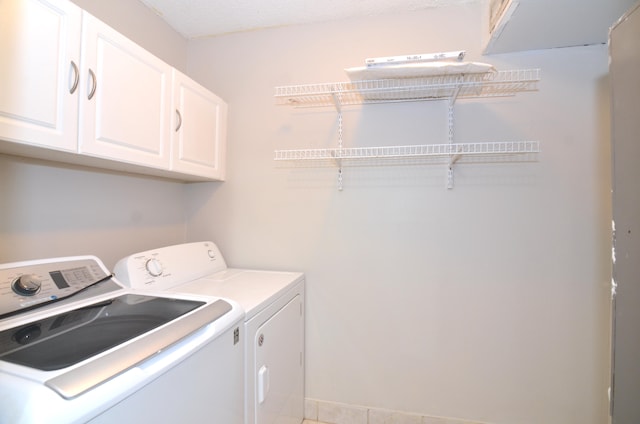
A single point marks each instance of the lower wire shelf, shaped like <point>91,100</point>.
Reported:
<point>448,153</point>
<point>448,150</point>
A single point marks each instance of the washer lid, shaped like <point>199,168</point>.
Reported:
<point>148,323</point>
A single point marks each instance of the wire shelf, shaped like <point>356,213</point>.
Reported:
<point>413,151</point>
<point>442,87</point>
<point>491,84</point>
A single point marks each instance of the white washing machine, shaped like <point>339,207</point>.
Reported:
<point>78,347</point>
<point>273,327</point>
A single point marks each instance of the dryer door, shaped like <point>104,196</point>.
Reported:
<point>278,371</point>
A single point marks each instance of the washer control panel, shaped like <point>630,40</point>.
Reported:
<point>167,267</point>
<point>28,284</point>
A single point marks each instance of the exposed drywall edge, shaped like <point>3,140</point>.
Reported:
<point>495,13</point>
<point>504,19</point>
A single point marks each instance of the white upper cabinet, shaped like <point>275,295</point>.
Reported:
<point>39,69</point>
<point>72,89</point>
<point>198,130</point>
<point>125,99</point>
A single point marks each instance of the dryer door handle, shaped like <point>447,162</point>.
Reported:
<point>263,383</point>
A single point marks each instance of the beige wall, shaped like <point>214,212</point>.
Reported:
<point>487,302</point>
<point>50,211</point>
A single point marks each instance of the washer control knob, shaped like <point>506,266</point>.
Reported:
<point>26,285</point>
<point>211,254</point>
<point>154,267</point>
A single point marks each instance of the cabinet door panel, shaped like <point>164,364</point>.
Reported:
<point>128,116</point>
<point>39,40</point>
<point>199,136</point>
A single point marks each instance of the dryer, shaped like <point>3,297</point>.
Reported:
<point>273,333</point>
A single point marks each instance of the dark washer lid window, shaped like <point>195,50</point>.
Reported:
<point>71,337</point>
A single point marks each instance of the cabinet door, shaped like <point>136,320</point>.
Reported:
<point>125,96</point>
<point>199,130</point>
<point>40,45</point>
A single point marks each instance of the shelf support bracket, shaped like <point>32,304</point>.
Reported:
<point>452,158</point>
<point>336,95</point>
<point>340,153</point>
<point>450,177</point>
<point>456,91</point>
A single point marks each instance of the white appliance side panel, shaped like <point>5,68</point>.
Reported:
<point>206,387</point>
<point>278,374</point>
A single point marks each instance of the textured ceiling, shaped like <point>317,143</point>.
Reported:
<point>526,25</point>
<point>199,18</point>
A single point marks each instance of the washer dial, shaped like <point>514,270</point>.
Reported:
<point>26,285</point>
<point>154,267</point>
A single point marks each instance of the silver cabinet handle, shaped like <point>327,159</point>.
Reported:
<point>76,77</point>
<point>179,120</point>
<point>94,84</point>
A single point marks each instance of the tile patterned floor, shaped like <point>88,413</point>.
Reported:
<point>337,413</point>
